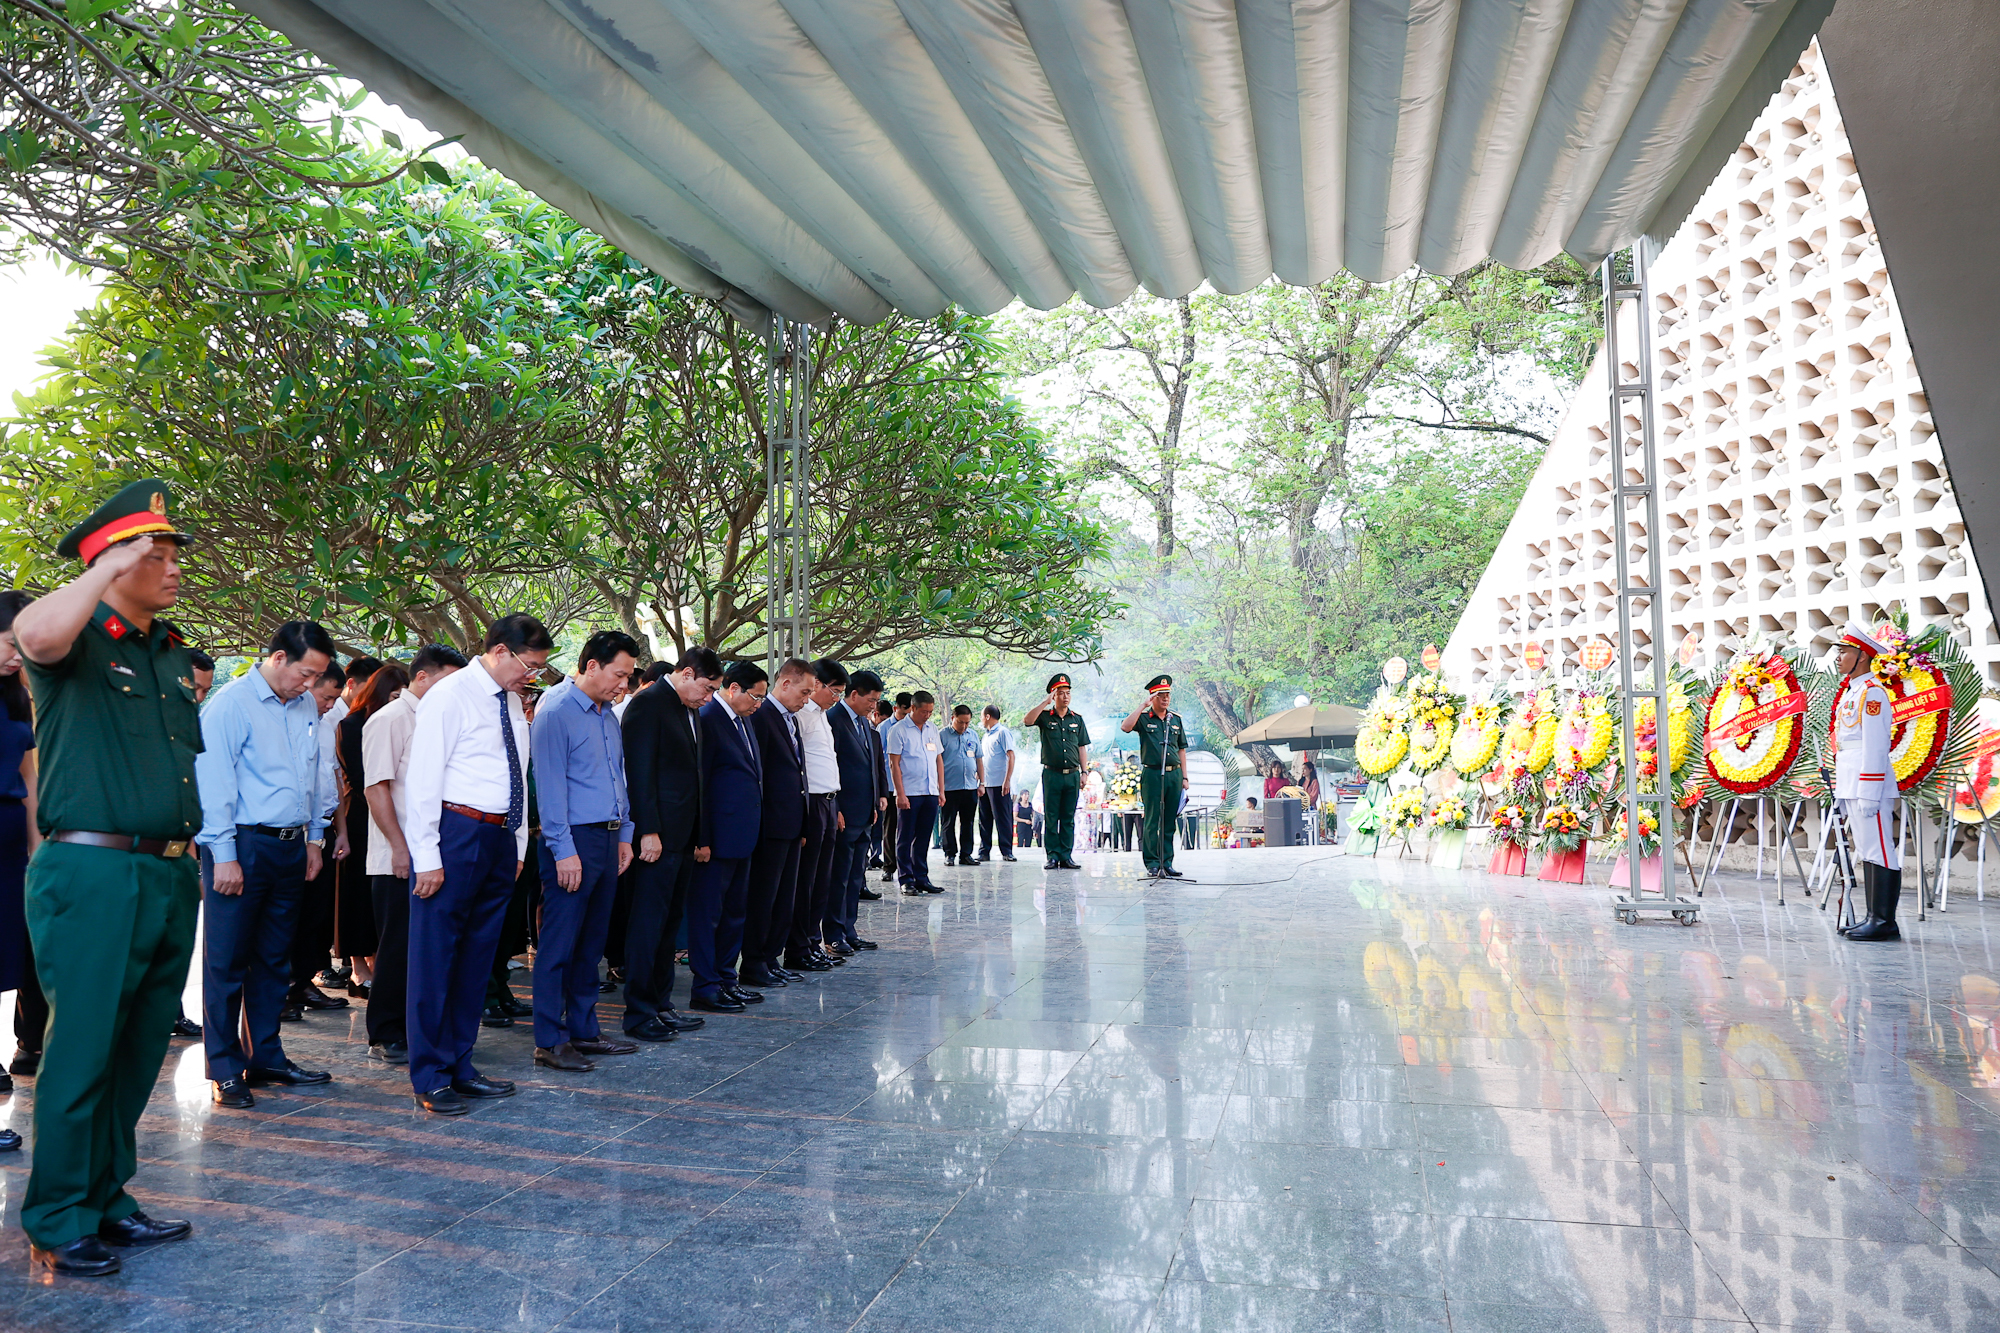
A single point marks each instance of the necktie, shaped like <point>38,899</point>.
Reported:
<point>516,796</point>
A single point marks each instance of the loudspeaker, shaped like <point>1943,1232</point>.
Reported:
<point>1282,823</point>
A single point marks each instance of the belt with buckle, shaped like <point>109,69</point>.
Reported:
<point>471,813</point>
<point>291,834</point>
<point>1053,769</point>
<point>166,848</point>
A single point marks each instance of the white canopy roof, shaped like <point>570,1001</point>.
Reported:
<point>816,157</point>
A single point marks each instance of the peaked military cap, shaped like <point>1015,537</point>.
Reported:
<point>139,510</point>
<point>1160,682</point>
<point>1857,634</point>
<point>1060,678</point>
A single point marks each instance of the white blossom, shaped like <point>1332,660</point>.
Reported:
<point>354,317</point>
<point>423,362</point>
<point>517,349</point>
<point>429,201</point>
<point>365,209</point>
<point>472,349</point>
<point>551,307</point>
<point>496,238</point>
<point>596,302</point>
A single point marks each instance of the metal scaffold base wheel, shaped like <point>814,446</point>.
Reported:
<point>1626,910</point>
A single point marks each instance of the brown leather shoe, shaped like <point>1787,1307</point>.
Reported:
<point>605,1046</point>
<point>562,1057</point>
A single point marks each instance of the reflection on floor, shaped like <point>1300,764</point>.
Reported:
<point>1305,1093</point>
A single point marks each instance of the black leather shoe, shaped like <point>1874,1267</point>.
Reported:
<point>602,1045</point>
<point>912,891</point>
<point>515,1005</point>
<point>390,1052</point>
<point>807,962</point>
<point>761,979</point>
<point>1051,865</point>
<point>839,949</point>
<point>312,997</point>
<point>607,988</point>
<point>834,959</point>
<point>951,860</point>
<point>932,888</point>
<point>870,896</point>
<point>654,1029</point>
<point>495,1016</point>
<point>858,943</point>
<point>187,1028</point>
<point>9,1141</point>
<point>888,875</point>
<point>136,1230</point>
<point>233,1093</point>
<point>442,1101</point>
<point>481,1086</point>
<point>1069,865</point>
<point>83,1257</point>
<point>723,1003</point>
<point>674,1018</point>
<point>787,974</point>
<point>1172,873</point>
<point>1007,859</point>
<point>289,1073</point>
<point>25,1062</point>
<point>292,1013</point>
<point>744,996</point>
<point>563,1057</point>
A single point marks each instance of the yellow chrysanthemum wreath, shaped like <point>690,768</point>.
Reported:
<point>1384,738</point>
<point>1477,738</point>
<point>1587,732</point>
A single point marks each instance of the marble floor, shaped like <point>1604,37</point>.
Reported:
<point>1303,1093</point>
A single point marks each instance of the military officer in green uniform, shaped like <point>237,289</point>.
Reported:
<point>1162,773</point>
<point>111,893</point>
<point>1065,754</point>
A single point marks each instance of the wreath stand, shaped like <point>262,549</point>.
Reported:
<point>1834,863</point>
<point>1718,840</point>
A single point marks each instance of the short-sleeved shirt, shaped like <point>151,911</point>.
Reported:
<point>117,730</point>
<point>1161,740</point>
<point>916,749</point>
<point>995,744</point>
<point>385,754</point>
<point>961,759</point>
<point>1063,739</point>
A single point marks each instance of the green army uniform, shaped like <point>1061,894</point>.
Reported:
<point>1162,741</point>
<point>1064,738</point>
<point>113,930</point>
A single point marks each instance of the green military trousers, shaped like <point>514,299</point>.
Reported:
<point>1059,792</point>
<point>113,932</point>
<point>1160,799</point>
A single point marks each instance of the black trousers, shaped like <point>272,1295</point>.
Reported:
<point>517,926</point>
<point>312,943</point>
<point>960,808</point>
<point>659,901</point>
<point>31,1007</point>
<point>767,913</point>
<point>247,952</point>
<point>389,996</point>
<point>913,840</point>
<point>996,811</point>
<point>889,839</point>
<point>811,904</point>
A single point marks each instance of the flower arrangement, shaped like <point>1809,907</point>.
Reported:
<point>1531,737</point>
<point>1406,811</point>
<point>1562,828</point>
<point>1385,737</point>
<point>1649,832</point>
<point>1448,815</point>
<point>1584,739</point>
<point>1124,788</point>
<point>1477,738</point>
<point>1433,713</point>
<point>1756,723</point>
<point>1513,824</point>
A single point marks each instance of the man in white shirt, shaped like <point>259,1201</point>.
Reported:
<point>466,824</point>
<point>803,946</point>
<point>915,755</point>
<point>996,803</point>
<point>385,759</point>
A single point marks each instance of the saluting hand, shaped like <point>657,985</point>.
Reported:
<point>117,559</point>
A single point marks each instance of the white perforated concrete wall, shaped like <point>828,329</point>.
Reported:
<point>1801,482</point>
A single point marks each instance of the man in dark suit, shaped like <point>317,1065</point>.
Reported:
<point>732,807</point>
<point>774,866</point>
<point>862,801</point>
<point>663,767</point>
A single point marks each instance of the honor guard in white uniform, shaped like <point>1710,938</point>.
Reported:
<point>1864,784</point>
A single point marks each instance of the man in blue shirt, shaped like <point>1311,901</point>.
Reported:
<point>914,753</point>
<point>962,780</point>
<point>579,759</point>
<point>263,818</point>
<point>996,793</point>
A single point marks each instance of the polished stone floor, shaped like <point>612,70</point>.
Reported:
<point>1304,1093</point>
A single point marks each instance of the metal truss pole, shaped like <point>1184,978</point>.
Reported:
<point>787,492</point>
<point>1635,463</point>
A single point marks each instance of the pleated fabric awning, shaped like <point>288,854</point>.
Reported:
<point>854,157</point>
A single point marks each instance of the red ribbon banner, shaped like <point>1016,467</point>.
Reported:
<point>1936,699</point>
<point>1750,719</point>
<point>1988,743</point>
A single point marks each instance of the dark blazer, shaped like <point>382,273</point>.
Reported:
<point>855,745</point>
<point>663,767</point>
<point>784,773</point>
<point>732,784</point>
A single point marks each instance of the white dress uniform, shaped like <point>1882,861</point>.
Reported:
<point>1862,781</point>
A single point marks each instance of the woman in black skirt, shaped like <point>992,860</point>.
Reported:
<point>353,899</point>
<point>18,836</point>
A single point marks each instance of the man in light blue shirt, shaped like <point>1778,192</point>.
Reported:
<point>914,752</point>
<point>579,757</point>
<point>961,786</point>
<point>996,796</point>
<point>263,818</point>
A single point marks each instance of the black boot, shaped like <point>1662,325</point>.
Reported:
<point>1885,887</point>
<point>1865,889</point>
